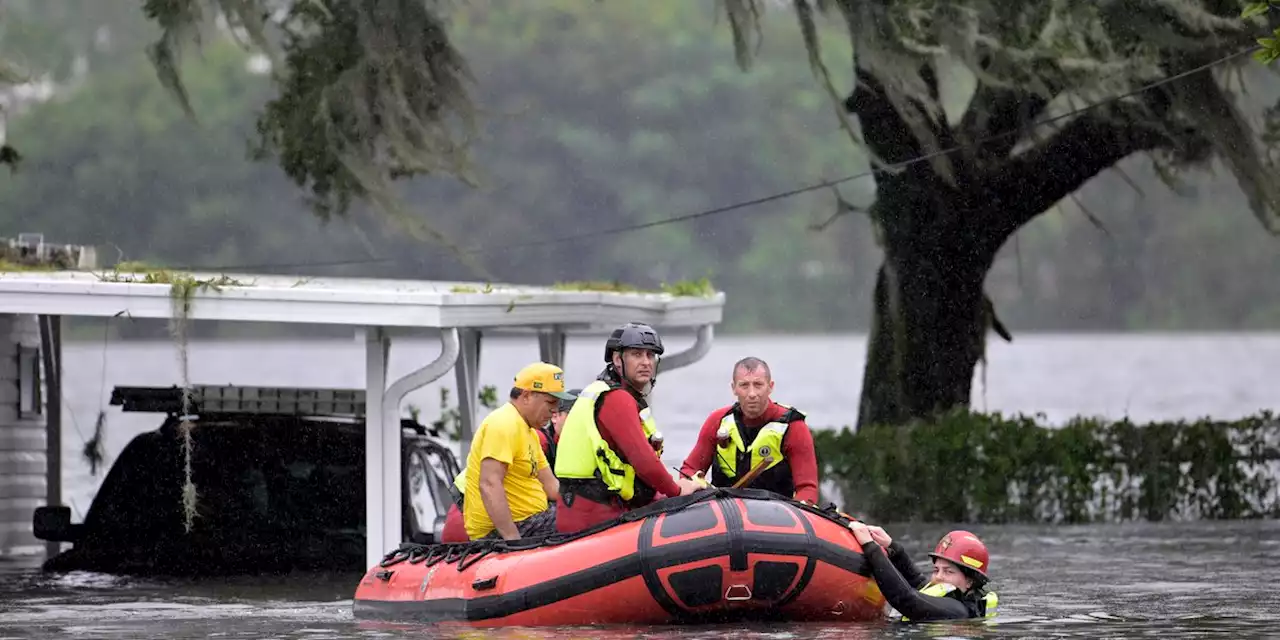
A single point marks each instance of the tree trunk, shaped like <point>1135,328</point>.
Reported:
<point>940,236</point>
<point>928,327</point>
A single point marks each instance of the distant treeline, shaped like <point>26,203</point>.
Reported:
<point>596,115</point>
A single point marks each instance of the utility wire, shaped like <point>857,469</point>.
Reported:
<point>830,183</point>
<point>782,195</point>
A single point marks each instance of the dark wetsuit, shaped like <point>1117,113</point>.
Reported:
<point>900,582</point>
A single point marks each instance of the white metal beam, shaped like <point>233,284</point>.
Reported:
<point>383,466</point>
<point>468,380</point>
<point>379,309</point>
<point>380,535</point>
<point>51,346</point>
<point>382,303</point>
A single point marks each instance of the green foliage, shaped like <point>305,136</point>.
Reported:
<point>115,163</point>
<point>1270,51</point>
<point>629,112</point>
<point>370,95</point>
<point>1030,54</point>
<point>1255,9</point>
<point>611,115</point>
<point>1161,261</point>
<point>370,91</point>
<point>60,40</point>
<point>971,467</point>
<point>626,112</point>
<point>701,287</point>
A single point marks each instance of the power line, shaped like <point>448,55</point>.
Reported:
<point>781,195</point>
<point>830,183</point>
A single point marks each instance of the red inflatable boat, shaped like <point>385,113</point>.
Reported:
<point>719,555</point>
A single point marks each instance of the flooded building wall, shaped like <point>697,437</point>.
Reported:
<point>22,435</point>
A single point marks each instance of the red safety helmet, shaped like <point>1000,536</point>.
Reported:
<point>965,550</point>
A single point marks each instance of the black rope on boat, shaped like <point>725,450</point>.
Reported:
<point>468,561</point>
<point>396,557</point>
<point>419,554</point>
<point>435,553</point>
<point>455,552</point>
<point>465,554</point>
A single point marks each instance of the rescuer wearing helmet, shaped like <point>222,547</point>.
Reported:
<point>957,588</point>
<point>756,433</point>
<point>608,458</point>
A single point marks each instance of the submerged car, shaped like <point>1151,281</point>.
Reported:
<point>280,481</point>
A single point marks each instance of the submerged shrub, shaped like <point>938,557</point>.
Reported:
<point>974,467</point>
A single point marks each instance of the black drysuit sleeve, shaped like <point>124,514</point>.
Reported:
<point>907,599</point>
<point>902,562</point>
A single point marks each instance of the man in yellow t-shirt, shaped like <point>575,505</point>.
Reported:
<point>507,468</point>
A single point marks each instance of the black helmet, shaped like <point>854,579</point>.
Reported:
<point>566,405</point>
<point>633,335</point>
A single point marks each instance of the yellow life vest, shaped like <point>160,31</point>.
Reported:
<point>989,600</point>
<point>583,453</point>
<point>768,443</point>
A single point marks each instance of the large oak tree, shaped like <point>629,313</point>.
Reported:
<point>943,220</point>
<point>371,91</point>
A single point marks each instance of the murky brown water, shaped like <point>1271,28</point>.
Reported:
<point>1173,580</point>
<point>1166,580</point>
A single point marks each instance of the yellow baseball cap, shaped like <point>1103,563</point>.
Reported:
<point>543,378</point>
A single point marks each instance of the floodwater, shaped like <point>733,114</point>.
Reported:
<point>1135,580</point>
<point>1166,580</point>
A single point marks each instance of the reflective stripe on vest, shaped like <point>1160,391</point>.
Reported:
<point>582,452</point>
<point>768,442</point>
<point>942,590</point>
<point>458,490</point>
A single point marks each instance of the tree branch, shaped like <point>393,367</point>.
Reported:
<point>1030,183</point>
<point>1221,121</point>
<point>995,110</point>
<point>942,131</point>
<point>885,131</point>
<point>888,133</point>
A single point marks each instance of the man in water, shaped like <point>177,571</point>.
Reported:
<point>955,591</point>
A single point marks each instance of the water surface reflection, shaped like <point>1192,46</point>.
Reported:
<point>1183,580</point>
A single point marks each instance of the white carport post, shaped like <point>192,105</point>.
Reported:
<point>381,528</point>
<point>551,345</point>
<point>468,377</point>
<point>383,474</point>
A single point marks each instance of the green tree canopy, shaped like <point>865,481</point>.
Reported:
<point>609,130</point>
<point>1058,92</point>
<point>596,115</point>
